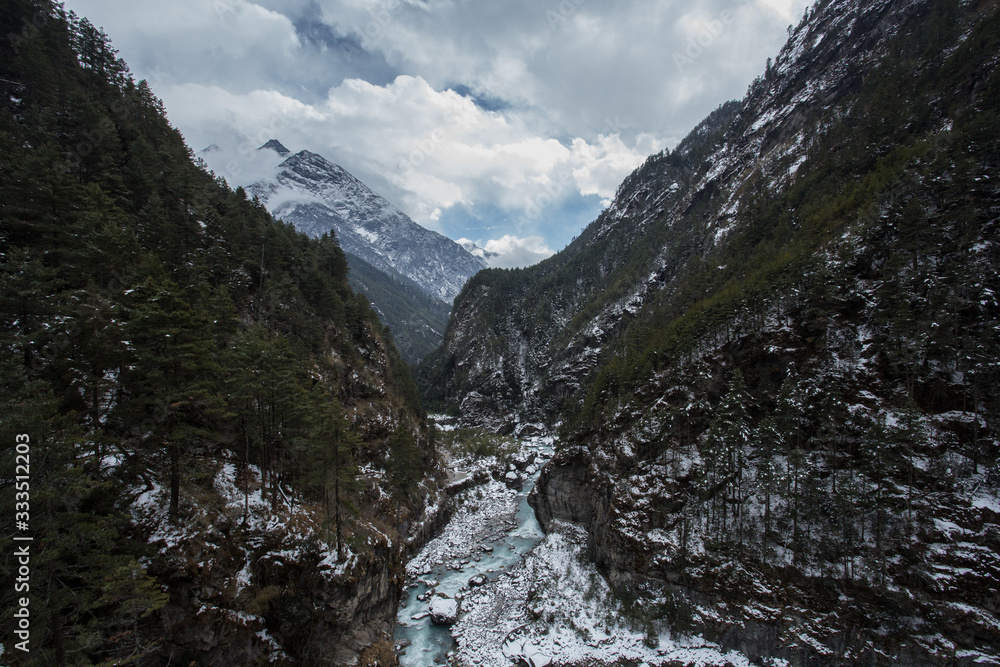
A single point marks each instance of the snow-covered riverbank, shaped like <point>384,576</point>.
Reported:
<point>491,529</point>
<point>554,608</point>
<point>524,597</point>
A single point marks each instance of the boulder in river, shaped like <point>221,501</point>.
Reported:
<point>443,610</point>
<point>534,659</point>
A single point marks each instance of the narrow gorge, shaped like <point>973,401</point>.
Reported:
<point>748,416</point>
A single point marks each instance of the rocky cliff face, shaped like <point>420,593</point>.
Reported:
<point>258,582</point>
<point>646,538</point>
<point>772,355</point>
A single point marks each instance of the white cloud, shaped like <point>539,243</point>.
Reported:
<point>192,40</point>
<point>787,9</point>
<point>606,163</point>
<point>577,102</point>
<point>510,252</point>
<point>597,61</point>
<point>424,149</point>
<point>242,164</point>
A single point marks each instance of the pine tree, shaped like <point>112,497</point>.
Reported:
<point>880,464</point>
<point>729,435</point>
<point>79,550</point>
<point>265,394</point>
<point>171,380</point>
<point>789,421</point>
<point>768,475</point>
<point>403,465</point>
<point>28,302</point>
<point>329,458</point>
<point>911,439</point>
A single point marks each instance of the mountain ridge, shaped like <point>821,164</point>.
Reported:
<point>317,196</point>
<point>320,197</point>
<point>771,358</point>
<point>416,320</point>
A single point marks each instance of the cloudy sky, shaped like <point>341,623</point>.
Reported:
<point>507,122</point>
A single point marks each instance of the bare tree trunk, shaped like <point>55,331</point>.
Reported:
<point>336,509</point>
<point>246,476</point>
<point>175,480</point>
<point>57,639</point>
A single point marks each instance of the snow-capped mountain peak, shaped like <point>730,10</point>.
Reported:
<point>275,146</point>
<point>319,196</point>
<point>476,250</point>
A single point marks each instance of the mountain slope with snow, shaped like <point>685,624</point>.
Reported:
<point>417,321</point>
<point>774,356</point>
<point>318,196</point>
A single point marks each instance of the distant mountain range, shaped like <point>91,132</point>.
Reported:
<point>422,271</point>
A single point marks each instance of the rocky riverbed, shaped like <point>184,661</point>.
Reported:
<point>492,590</point>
